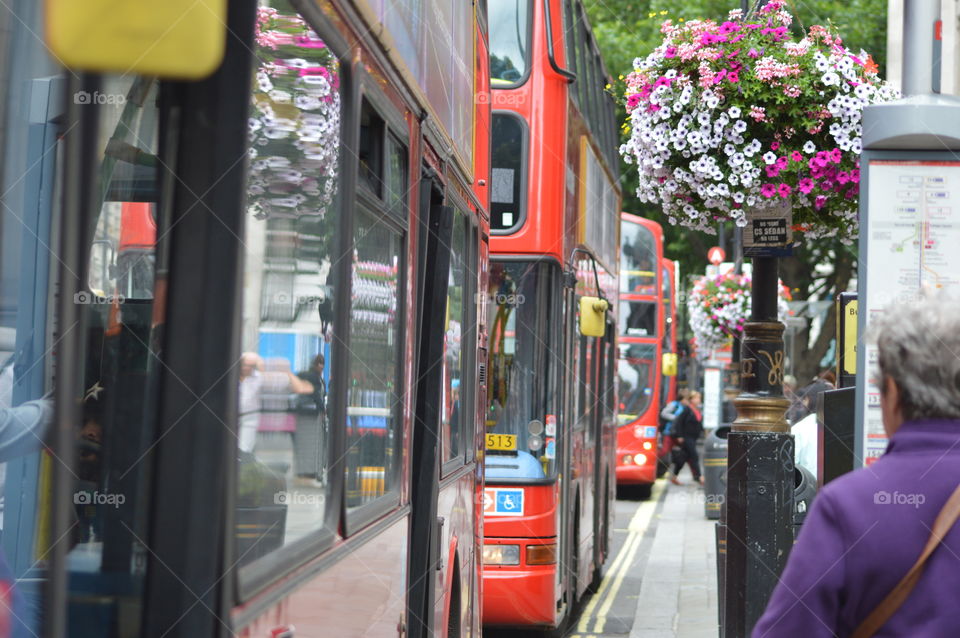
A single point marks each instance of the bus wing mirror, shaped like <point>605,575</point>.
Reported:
<point>174,38</point>
<point>669,364</point>
<point>593,312</point>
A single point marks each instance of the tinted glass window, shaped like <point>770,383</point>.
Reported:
<point>638,318</point>
<point>508,173</point>
<point>289,291</point>
<point>638,260</point>
<point>635,376</point>
<point>455,345</point>
<point>374,391</point>
<point>521,390</point>
<point>509,41</point>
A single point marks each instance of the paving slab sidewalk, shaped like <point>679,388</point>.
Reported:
<point>678,594</point>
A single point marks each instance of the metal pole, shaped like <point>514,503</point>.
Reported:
<point>920,19</point>
<point>759,502</point>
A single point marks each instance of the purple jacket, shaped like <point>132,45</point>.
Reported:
<point>863,533</point>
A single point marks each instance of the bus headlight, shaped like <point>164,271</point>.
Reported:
<point>627,459</point>
<point>640,459</point>
<point>647,445</point>
<point>534,443</point>
<point>501,554</point>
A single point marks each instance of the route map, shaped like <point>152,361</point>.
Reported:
<point>913,234</point>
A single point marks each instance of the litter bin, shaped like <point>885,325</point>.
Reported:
<point>715,471</point>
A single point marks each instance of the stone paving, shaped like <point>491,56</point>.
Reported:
<point>678,594</point>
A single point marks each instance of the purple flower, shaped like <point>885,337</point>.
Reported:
<point>772,170</point>
<point>781,161</point>
<point>843,177</point>
<point>819,202</point>
<point>768,190</point>
<point>805,185</point>
<point>753,53</point>
<point>855,176</point>
<point>784,190</point>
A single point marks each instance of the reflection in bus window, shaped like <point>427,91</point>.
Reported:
<point>116,431</point>
<point>509,41</point>
<point>373,404</point>
<point>635,374</point>
<point>638,260</point>
<point>457,329</point>
<point>521,350</point>
<point>640,318</point>
<point>292,192</point>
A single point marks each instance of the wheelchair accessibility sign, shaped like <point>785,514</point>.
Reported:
<point>499,501</point>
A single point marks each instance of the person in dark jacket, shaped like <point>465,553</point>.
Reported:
<point>867,528</point>
<point>687,428</point>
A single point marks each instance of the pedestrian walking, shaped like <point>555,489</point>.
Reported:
<point>847,574</point>
<point>668,416</point>
<point>687,429</point>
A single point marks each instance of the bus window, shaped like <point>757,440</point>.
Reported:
<point>635,372</point>
<point>640,318</point>
<point>509,41</point>
<point>638,260</point>
<point>508,168</point>
<point>453,417</point>
<point>374,400</point>
<point>520,392</point>
<point>289,292</point>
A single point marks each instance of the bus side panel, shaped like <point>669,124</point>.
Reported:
<point>359,597</point>
<point>455,506</point>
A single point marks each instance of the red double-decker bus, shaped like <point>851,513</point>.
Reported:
<point>257,269</point>
<point>644,298</point>
<point>553,272</point>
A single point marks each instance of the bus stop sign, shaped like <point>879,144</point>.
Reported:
<point>716,255</point>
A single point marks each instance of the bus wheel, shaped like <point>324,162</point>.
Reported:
<point>644,491</point>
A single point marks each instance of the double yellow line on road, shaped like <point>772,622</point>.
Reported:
<point>613,581</point>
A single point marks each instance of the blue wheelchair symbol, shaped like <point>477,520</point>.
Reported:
<point>510,502</point>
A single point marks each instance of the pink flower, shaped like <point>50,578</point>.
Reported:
<point>805,185</point>
<point>836,155</point>
<point>796,156</point>
<point>632,101</point>
<point>843,177</point>
<point>784,190</point>
<point>753,53</point>
<point>733,76</point>
<point>768,190</point>
<point>855,176</point>
<point>772,170</point>
<point>758,113</point>
<point>671,52</point>
<point>819,202</point>
<point>729,27</point>
<point>775,146</point>
<point>781,161</point>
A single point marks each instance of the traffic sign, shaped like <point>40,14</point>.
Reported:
<point>716,255</point>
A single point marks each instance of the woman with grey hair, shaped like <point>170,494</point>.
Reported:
<point>847,573</point>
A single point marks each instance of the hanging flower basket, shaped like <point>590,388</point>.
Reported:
<point>719,307</point>
<point>738,114</point>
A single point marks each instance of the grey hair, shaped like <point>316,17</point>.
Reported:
<point>919,344</point>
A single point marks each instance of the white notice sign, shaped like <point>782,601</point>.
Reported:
<point>914,243</point>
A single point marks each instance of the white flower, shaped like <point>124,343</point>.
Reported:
<point>809,147</point>
<point>734,112</point>
<point>769,157</point>
<point>830,79</point>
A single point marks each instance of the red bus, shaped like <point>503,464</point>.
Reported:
<point>259,288</point>
<point>551,392</point>
<point>644,295</point>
